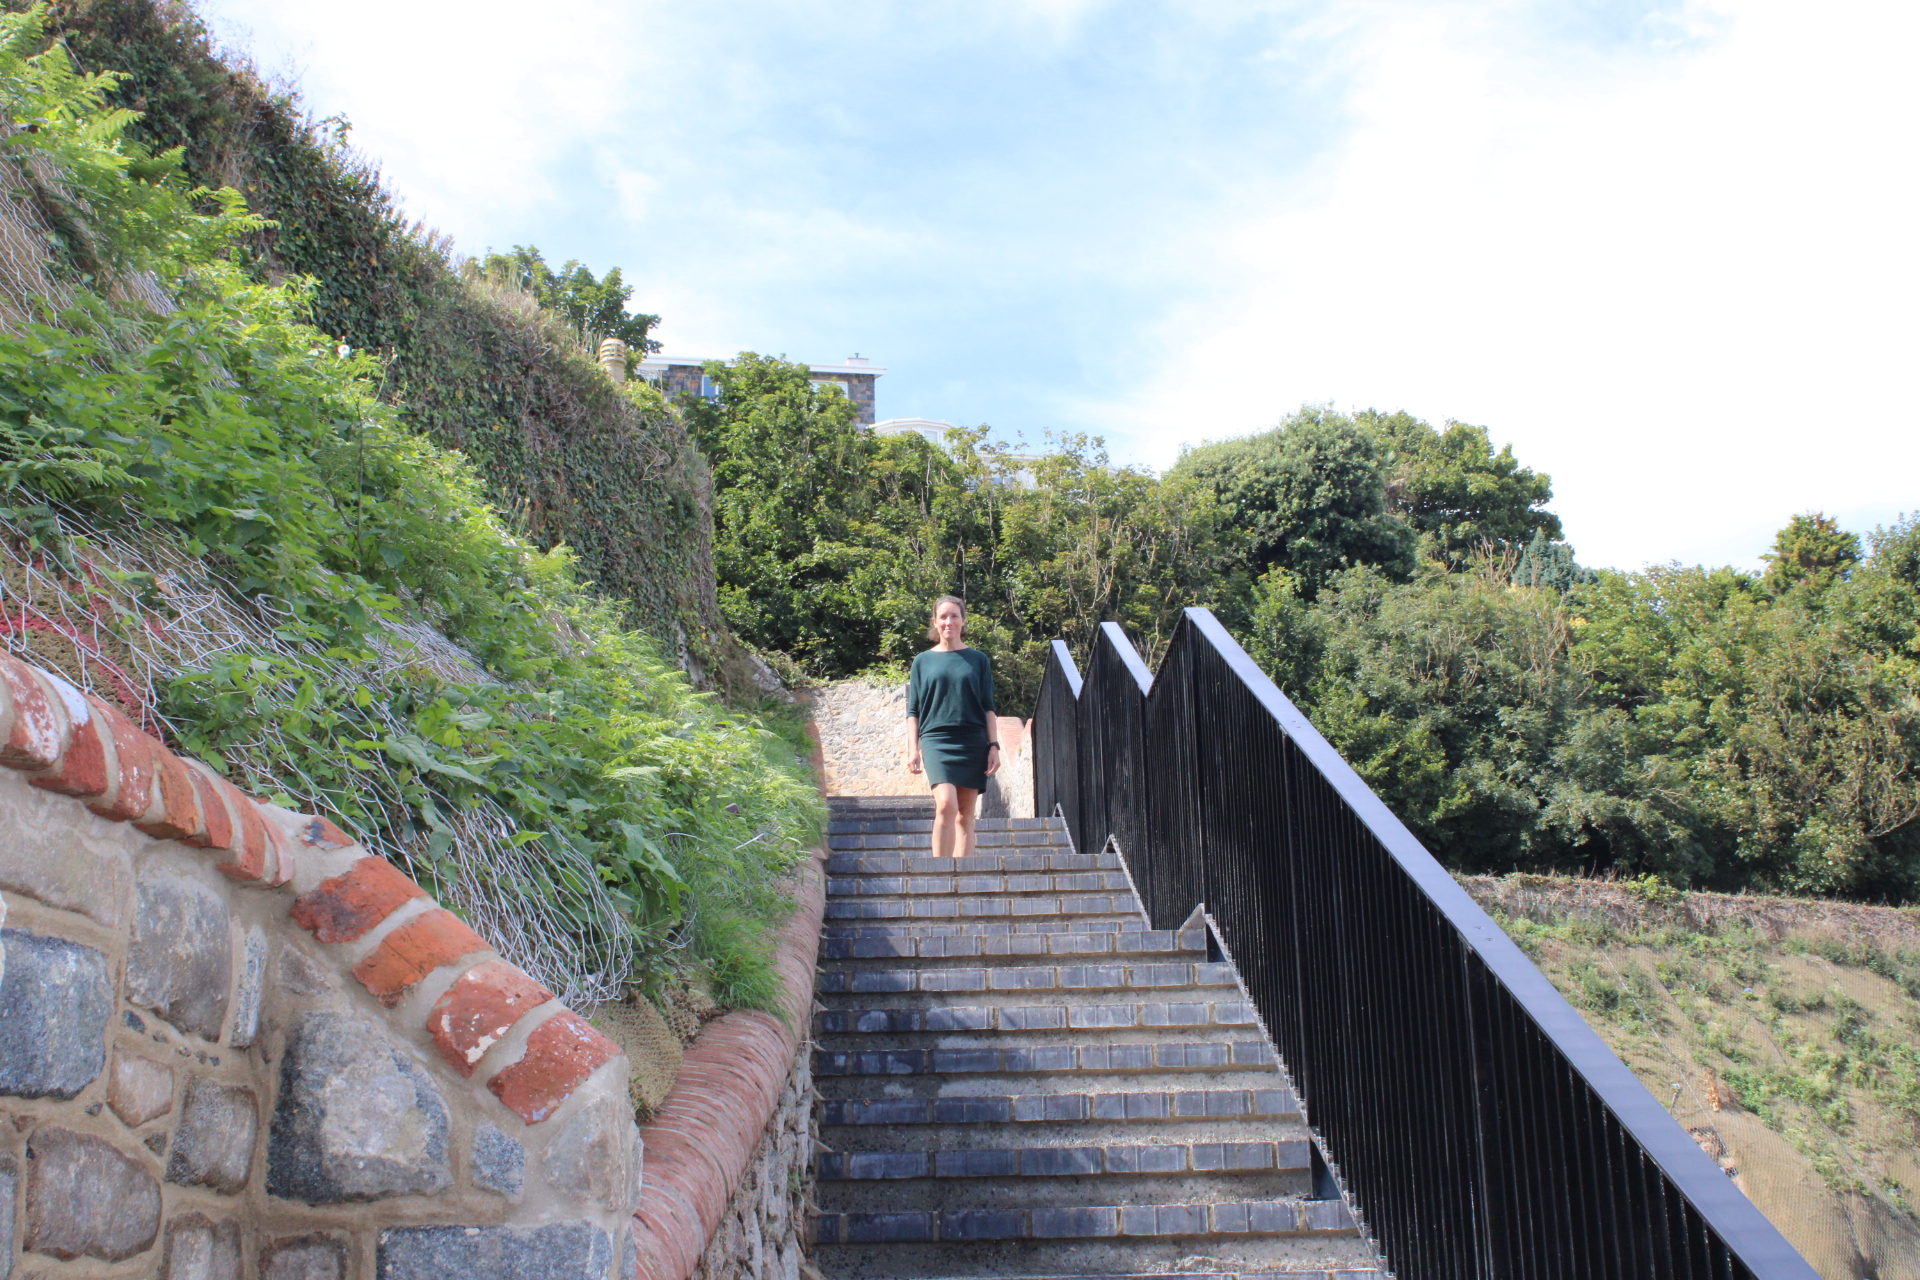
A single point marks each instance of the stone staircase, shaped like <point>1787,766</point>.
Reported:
<point>1018,1078</point>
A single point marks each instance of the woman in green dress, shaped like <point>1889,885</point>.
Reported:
<point>950,727</point>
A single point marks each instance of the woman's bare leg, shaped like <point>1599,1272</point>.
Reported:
<point>968,803</point>
<point>946,819</point>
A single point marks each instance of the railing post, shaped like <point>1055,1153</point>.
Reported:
<point>1196,770</point>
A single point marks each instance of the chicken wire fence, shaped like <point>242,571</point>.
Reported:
<point>120,612</point>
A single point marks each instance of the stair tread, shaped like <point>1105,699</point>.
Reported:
<point>1308,1273</point>
<point>1039,1017</point>
<point>899,862</point>
<point>917,883</point>
<point>838,953</point>
<point>1152,976</point>
<point>1167,1056</point>
<point>1146,1159</point>
<point>1115,1106</point>
<point>950,927</point>
<point>1245,1217</point>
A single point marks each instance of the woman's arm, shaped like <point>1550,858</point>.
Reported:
<point>993,721</point>
<point>913,744</point>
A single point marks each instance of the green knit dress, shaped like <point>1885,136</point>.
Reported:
<point>951,695</point>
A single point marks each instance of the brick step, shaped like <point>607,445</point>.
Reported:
<point>1259,1255</point>
<point>1031,1086</point>
<point>1197,1105</point>
<point>949,1194</point>
<point>1176,1056</point>
<point>1067,1162</point>
<point>865,810</point>
<point>1036,1017</point>
<point>991,928</point>
<point>873,838</point>
<point>905,862</point>
<point>971,883</point>
<point>1292,1273</point>
<point>881,943</point>
<point>1241,1218</point>
<point>916,813</point>
<point>1156,977</point>
<point>1312,1257</point>
<point>1040,906</point>
<point>1060,1192</point>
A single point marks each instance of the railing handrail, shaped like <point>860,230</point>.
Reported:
<point>1745,1233</point>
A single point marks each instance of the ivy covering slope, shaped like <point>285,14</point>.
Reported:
<point>474,367</point>
<point>221,424</point>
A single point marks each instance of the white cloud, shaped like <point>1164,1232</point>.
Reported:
<point>1681,282</point>
<point>472,110</point>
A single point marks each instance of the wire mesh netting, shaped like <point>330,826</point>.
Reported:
<point>119,612</point>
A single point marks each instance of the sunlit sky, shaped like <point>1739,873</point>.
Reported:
<point>1667,251</point>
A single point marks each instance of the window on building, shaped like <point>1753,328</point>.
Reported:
<point>824,384</point>
<point>709,389</point>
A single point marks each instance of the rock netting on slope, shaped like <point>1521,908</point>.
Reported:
<point>232,1044</point>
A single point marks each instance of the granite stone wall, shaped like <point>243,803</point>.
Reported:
<point>763,1235</point>
<point>232,1044</point>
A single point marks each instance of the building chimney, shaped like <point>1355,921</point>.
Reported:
<point>613,358</point>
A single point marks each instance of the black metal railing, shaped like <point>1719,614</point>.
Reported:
<point>1480,1125</point>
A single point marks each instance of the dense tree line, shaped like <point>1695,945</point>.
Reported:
<point>1409,589</point>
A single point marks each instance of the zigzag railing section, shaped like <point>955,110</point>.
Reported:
<point>1482,1128</point>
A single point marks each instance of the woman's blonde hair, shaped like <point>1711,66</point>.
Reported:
<point>955,601</point>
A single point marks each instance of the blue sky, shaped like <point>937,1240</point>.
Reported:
<point>1666,250</point>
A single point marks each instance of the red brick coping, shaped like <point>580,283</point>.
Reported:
<point>75,744</point>
<point>699,1146</point>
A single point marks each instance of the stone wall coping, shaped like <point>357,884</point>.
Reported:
<point>494,1024</point>
<point>700,1144</point>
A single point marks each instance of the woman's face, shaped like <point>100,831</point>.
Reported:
<point>949,622</point>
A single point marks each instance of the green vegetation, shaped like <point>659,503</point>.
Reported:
<point>221,424</point>
<point>1813,1033</point>
<point>1700,725</point>
<point>594,309</point>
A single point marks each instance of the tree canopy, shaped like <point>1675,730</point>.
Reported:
<point>595,309</point>
<point>1408,587</point>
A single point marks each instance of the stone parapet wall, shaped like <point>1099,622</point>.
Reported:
<point>232,1044</point>
<point>1010,790</point>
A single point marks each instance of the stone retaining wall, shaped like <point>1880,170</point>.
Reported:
<point>232,1044</point>
<point>863,747</point>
